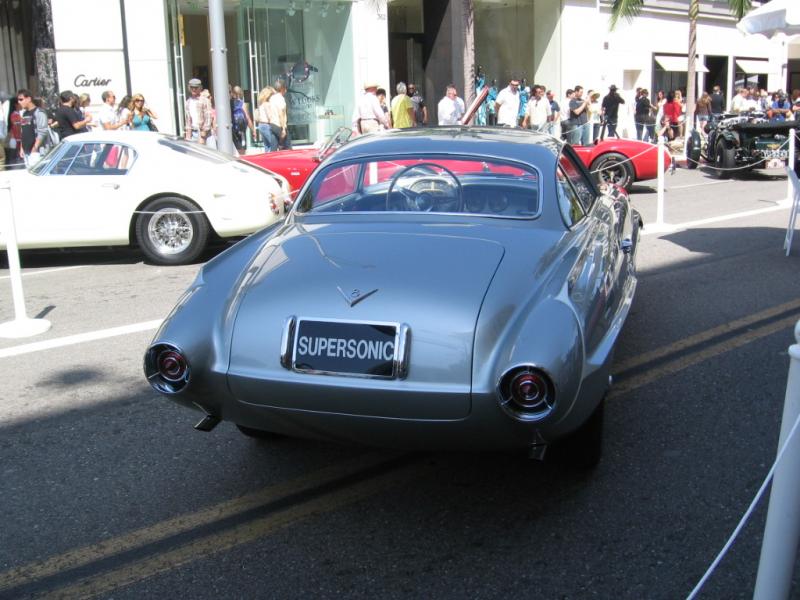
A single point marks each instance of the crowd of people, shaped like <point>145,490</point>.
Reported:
<point>29,129</point>
<point>586,116</point>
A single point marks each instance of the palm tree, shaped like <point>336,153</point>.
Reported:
<point>44,51</point>
<point>628,9</point>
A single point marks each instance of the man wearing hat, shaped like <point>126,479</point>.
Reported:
<point>507,104</point>
<point>368,115</point>
<point>610,110</point>
<point>198,113</point>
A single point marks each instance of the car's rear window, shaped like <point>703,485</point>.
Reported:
<point>473,185</point>
<point>195,150</point>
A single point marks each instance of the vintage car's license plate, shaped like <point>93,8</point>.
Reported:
<point>775,154</point>
<point>346,348</point>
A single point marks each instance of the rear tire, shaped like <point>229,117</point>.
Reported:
<point>171,231</point>
<point>616,168</point>
<point>693,144</point>
<point>582,449</point>
<point>724,160</point>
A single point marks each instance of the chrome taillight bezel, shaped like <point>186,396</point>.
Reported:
<point>534,407</point>
<point>163,382</point>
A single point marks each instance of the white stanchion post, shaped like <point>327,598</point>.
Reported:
<point>21,326</point>
<point>660,183</point>
<point>782,531</point>
<point>792,150</point>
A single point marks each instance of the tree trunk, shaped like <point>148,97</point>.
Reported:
<point>691,92</point>
<point>469,51</point>
<point>44,51</point>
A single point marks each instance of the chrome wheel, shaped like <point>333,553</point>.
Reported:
<point>170,231</point>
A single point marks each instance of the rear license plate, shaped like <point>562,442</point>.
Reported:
<point>346,348</point>
<point>783,154</point>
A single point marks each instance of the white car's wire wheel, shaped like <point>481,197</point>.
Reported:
<point>613,167</point>
<point>171,231</point>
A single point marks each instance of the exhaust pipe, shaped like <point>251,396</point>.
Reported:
<point>207,423</point>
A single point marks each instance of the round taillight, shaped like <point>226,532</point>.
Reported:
<point>527,393</point>
<point>167,368</point>
<point>172,365</point>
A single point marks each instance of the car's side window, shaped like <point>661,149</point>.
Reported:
<point>576,176</point>
<point>569,202</point>
<point>102,159</point>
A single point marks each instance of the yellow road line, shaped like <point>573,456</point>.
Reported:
<point>706,335</point>
<point>242,534</point>
<point>683,362</point>
<point>81,556</point>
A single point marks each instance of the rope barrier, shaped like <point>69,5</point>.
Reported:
<point>744,519</point>
<point>628,159</point>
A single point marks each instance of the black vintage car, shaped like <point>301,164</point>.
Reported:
<point>739,143</point>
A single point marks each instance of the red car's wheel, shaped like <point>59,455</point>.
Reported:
<point>613,167</point>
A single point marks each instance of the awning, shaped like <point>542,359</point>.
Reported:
<point>753,67</point>
<point>679,63</point>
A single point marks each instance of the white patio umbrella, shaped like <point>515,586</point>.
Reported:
<point>777,16</point>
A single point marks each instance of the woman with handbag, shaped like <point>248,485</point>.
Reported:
<point>141,117</point>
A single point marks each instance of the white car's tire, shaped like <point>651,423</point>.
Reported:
<point>171,231</point>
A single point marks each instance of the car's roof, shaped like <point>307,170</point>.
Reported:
<point>520,145</point>
<point>127,137</point>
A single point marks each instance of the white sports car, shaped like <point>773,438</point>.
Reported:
<point>163,193</point>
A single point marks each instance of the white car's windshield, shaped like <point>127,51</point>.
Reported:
<point>424,184</point>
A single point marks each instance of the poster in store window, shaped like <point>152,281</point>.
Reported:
<point>301,98</point>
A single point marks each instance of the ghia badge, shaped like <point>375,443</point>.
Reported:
<point>355,296</point>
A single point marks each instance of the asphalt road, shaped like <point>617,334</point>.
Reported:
<point>107,491</point>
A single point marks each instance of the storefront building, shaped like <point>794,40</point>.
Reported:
<point>325,49</point>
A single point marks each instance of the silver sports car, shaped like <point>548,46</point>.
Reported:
<point>433,288</point>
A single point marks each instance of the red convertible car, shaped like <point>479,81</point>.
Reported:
<point>619,161</point>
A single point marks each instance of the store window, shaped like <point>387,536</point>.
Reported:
<point>308,45</point>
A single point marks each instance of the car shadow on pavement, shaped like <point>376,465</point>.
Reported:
<point>72,257</point>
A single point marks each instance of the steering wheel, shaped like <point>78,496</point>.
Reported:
<point>423,201</point>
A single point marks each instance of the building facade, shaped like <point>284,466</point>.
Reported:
<point>326,49</point>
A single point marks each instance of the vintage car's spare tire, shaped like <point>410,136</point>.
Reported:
<point>724,159</point>
<point>258,434</point>
<point>582,448</point>
<point>171,231</point>
<point>613,167</point>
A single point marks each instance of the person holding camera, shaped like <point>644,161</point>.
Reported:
<point>610,110</point>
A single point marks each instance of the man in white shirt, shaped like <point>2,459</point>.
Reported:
<point>278,103</point>
<point>108,118</point>
<point>451,107</point>
<point>538,112</point>
<point>507,104</point>
<point>742,102</point>
<point>368,115</point>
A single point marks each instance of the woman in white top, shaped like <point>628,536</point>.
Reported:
<point>267,121</point>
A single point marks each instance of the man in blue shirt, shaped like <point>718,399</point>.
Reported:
<point>781,107</point>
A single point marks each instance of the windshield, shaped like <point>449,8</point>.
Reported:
<point>424,184</point>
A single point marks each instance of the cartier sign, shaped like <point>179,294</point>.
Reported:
<point>83,81</point>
